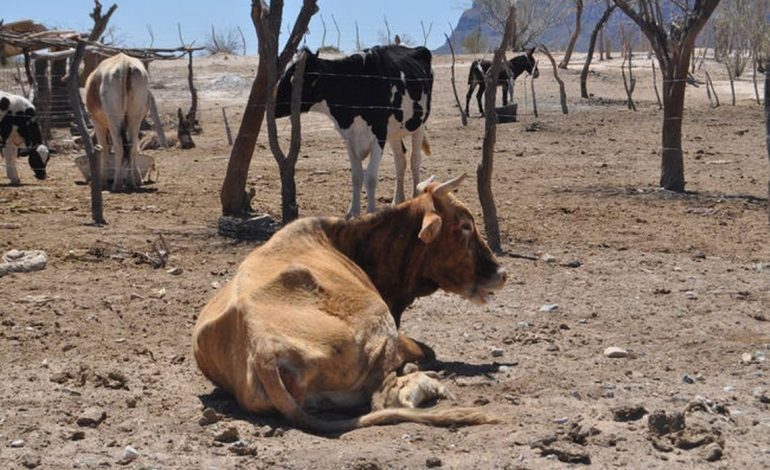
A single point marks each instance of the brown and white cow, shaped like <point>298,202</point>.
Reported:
<point>118,98</point>
<point>306,323</point>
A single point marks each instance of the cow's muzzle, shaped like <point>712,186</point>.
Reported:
<point>487,287</point>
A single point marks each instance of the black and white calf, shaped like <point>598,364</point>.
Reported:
<point>19,128</point>
<point>507,76</point>
<point>375,96</point>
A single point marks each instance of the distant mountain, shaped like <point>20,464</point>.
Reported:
<point>555,38</point>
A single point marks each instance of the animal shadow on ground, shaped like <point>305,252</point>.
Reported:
<point>463,369</point>
<point>225,405</point>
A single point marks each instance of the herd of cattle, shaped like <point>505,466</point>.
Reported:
<point>310,321</point>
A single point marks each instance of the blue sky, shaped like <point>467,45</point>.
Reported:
<point>196,18</point>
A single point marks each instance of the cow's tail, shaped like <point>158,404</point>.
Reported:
<point>284,402</point>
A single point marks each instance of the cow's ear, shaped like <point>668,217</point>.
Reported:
<point>431,227</point>
<point>4,103</point>
<point>531,51</point>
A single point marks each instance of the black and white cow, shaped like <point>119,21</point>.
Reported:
<point>508,74</point>
<point>375,96</point>
<point>19,128</point>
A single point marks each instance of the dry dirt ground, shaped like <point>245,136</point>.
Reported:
<point>681,282</point>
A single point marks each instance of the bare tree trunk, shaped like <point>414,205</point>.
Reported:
<point>534,97</point>
<point>227,128</point>
<point>562,92</point>
<point>91,60</point>
<point>591,44</point>
<point>754,80</point>
<point>235,200</point>
<point>767,124</point>
<point>463,117</point>
<point>484,170</point>
<point>655,86</point>
<point>573,39</point>
<point>358,40</point>
<point>630,83</point>
<point>601,44</point>
<point>672,162</point>
<point>710,85</point>
<point>731,77</point>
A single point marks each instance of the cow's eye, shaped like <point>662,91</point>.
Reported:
<point>466,226</point>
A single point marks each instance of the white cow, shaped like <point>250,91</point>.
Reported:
<point>118,98</point>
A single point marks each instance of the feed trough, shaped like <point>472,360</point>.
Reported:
<point>146,164</point>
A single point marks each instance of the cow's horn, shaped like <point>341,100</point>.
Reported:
<point>449,186</point>
<point>421,187</point>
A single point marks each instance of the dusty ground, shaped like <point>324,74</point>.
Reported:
<point>682,282</point>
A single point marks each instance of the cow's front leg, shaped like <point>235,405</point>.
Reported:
<point>371,175</point>
<point>357,177</point>
<point>505,93</point>
<point>9,154</point>
<point>411,350</point>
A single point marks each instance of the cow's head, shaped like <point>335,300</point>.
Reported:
<point>458,259</point>
<point>27,126</point>
<point>311,89</point>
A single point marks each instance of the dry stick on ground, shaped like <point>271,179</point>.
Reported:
<point>227,129</point>
<point>591,45</point>
<point>235,200</point>
<point>655,86</point>
<point>484,170</point>
<point>94,162</point>
<point>630,83</point>
<point>710,84</point>
<point>571,45</point>
<point>463,117</point>
<point>562,92</point>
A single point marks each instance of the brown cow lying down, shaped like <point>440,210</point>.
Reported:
<point>303,326</point>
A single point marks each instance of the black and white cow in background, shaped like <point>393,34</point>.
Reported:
<point>375,96</point>
<point>19,128</point>
<point>508,74</point>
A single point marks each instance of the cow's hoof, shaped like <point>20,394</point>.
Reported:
<point>15,182</point>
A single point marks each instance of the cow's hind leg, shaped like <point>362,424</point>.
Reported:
<point>357,177</point>
<point>416,157</point>
<point>117,157</point>
<point>505,93</point>
<point>471,87</point>
<point>371,175</point>
<point>9,154</point>
<point>399,157</point>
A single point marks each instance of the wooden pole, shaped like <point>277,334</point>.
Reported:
<point>94,162</point>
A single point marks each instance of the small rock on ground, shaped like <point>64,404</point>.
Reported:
<point>91,417</point>
<point>433,462</point>
<point>628,412</point>
<point>615,352</point>
<point>129,455</point>
<point>227,436</point>
<point>209,417</point>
